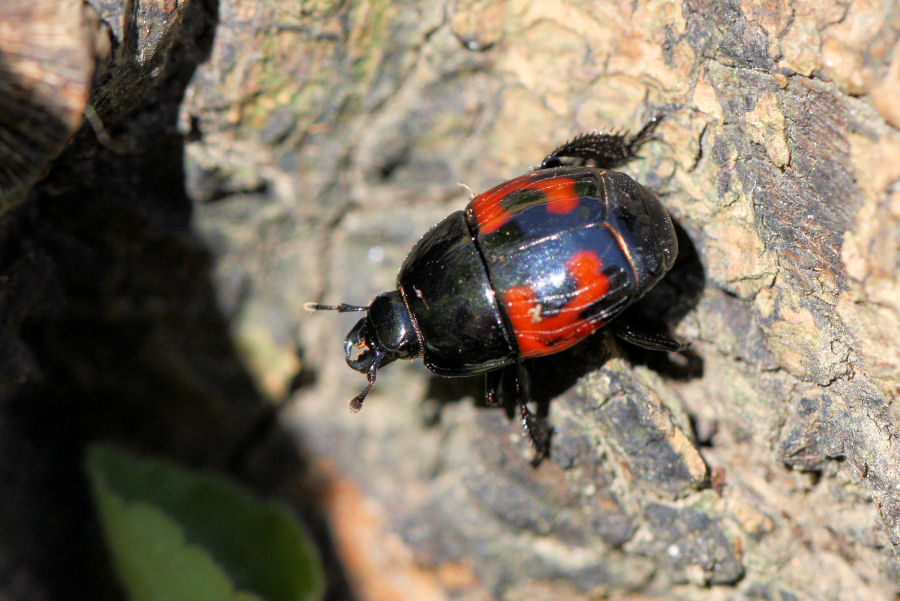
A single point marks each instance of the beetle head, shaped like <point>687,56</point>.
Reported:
<point>385,334</point>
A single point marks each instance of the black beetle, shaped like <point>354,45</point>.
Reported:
<point>528,269</point>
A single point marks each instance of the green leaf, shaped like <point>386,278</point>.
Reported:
<point>178,535</point>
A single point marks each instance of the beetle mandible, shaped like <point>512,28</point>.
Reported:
<point>528,269</point>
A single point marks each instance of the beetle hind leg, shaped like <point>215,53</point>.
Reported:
<point>604,150</point>
<point>537,428</point>
<point>651,340</point>
<point>492,391</point>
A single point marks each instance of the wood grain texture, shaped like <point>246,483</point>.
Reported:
<point>46,63</point>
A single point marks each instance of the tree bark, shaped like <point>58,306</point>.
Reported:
<point>265,155</point>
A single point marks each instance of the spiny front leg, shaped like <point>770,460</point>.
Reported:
<point>605,150</point>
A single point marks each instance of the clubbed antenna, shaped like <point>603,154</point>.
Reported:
<point>361,353</point>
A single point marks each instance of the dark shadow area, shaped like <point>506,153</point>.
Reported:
<point>32,133</point>
<point>664,306</point>
<point>116,335</point>
<point>661,309</point>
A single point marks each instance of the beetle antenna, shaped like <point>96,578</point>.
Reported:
<point>356,402</point>
<point>341,308</point>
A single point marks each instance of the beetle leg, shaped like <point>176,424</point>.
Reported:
<point>356,402</point>
<point>604,150</point>
<point>492,382</point>
<point>537,428</point>
<point>654,341</point>
<point>341,308</point>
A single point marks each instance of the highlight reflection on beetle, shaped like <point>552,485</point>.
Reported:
<point>529,268</point>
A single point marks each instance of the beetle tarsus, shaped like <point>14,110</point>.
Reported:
<point>644,134</point>
<point>539,432</point>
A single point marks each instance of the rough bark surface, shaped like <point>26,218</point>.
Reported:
<point>263,154</point>
<point>46,62</point>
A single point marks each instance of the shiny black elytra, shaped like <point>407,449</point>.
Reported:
<point>528,269</point>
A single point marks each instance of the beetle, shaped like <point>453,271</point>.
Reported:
<point>529,268</point>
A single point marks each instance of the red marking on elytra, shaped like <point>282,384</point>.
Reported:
<point>561,198</point>
<point>538,335</point>
<point>490,214</point>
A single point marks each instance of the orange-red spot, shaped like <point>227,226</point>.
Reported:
<point>561,197</point>
<point>538,335</point>
<point>490,214</point>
